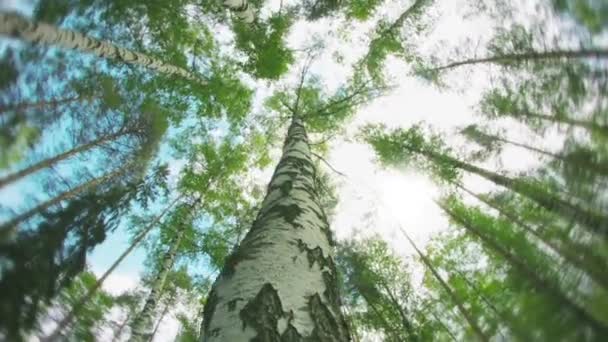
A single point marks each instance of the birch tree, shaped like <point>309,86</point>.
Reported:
<point>17,26</point>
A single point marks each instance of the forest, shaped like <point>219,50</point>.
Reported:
<point>303,170</point>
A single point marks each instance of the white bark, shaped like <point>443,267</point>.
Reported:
<point>141,327</point>
<point>17,26</point>
<point>242,10</point>
<point>286,253</point>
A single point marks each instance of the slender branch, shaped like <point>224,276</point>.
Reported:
<point>528,56</point>
<point>328,164</point>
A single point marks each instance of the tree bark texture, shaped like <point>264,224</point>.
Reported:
<point>142,323</point>
<point>17,26</point>
<point>280,283</point>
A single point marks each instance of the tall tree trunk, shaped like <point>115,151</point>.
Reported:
<point>507,317</point>
<point>60,157</point>
<point>40,208</point>
<point>280,284</point>
<point>140,327</point>
<point>396,333</point>
<point>242,10</point>
<point>54,336</point>
<point>529,56</point>
<point>536,280</point>
<point>572,252</point>
<point>591,126</point>
<point>598,168</point>
<point>40,104</point>
<point>453,295</point>
<point>157,325</point>
<point>17,26</point>
<point>438,320</point>
<point>594,222</point>
<point>407,325</point>
<point>398,23</point>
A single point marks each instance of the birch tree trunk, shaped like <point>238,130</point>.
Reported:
<point>142,323</point>
<point>593,221</point>
<point>591,126</point>
<point>17,26</point>
<point>241,9</point>
<point>280,283</point>
<point>571,251</point>
<point>458,301</point>
<point>536,280</point>
<point>529,56</point>
<point>91,184</point>
<point>67,320</point>
<point>60,157</point>
<point>160,320</point>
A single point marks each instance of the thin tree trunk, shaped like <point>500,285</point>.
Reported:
<point>444,326</point>
<point>565,120</point>
<point>160,319</point>
<point>395,332</point>
<point>17,26</point>
<point>455,298</point>
<point>598,168</point>
<point>14,222</point>
<point>281,282</point>
<point>417,5</point>
<point>594,222</point>
<point>576,256</point>
<point>54,336</point>
<point>40,104</point>
<point>533,276</point>
<point>142,323</point>
<point>120,329</point>
<point>407,325</point>
<point>529,56</point>
<point>503,315</point>
<point>242,10</point>
<point>60,157</point>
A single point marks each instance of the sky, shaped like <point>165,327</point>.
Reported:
<point>373,200</point>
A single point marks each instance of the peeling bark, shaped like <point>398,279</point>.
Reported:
<point>280,284</point>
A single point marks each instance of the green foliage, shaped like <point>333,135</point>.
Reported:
<point>593,15</point>
<point>92,315</point>
<point>263,43</point>
<point>361,9</point>
<point>412,148</point>
<point>378,290</point>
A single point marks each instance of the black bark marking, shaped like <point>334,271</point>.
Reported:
<point>232,303</point>
<point>245,251</point>
<point>209,310</point>
<point>327,328</point>
<point>263,313</point>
